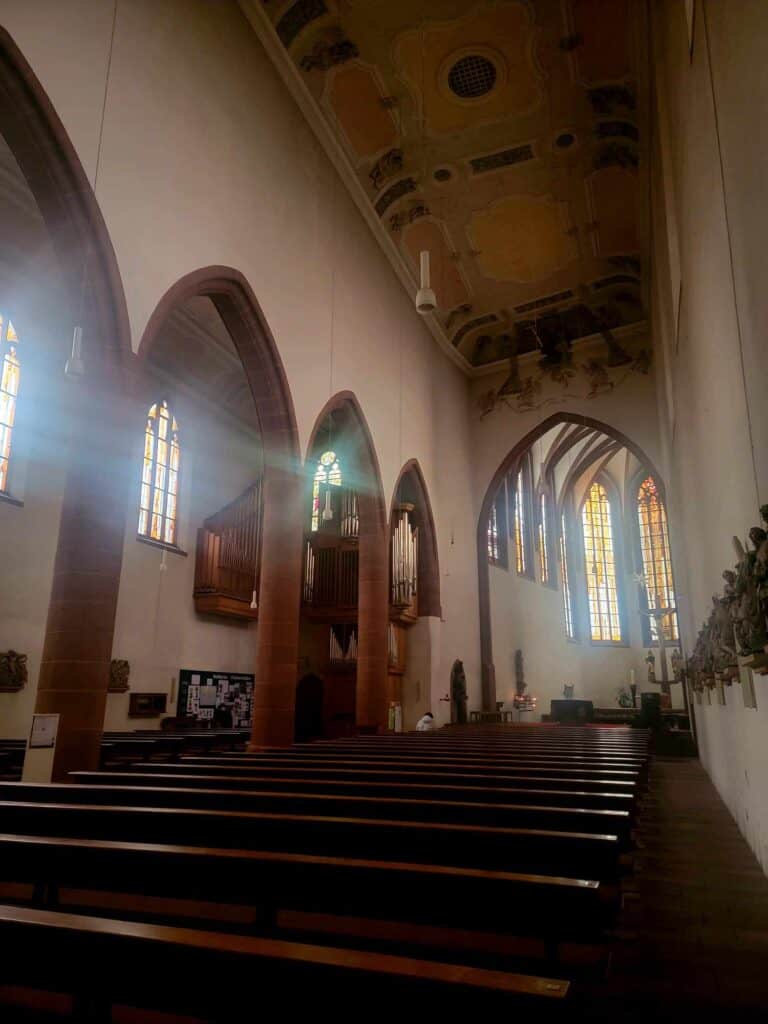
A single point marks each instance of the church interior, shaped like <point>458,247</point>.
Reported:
<point>383,511</point>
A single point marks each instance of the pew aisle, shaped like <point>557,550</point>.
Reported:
<point>481,867</point>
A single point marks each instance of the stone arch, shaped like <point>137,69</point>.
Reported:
<point>507,463</point>
<point>63,193</point>
<point>74,667</point>
<point>280,569</point>
<point>373,575</point>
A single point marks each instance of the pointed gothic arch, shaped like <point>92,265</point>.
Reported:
<point>507,464</point>
<point>429,566</point>
<point>280,566</point>
<point>364,474</point>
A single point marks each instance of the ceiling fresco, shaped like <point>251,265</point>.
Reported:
<point>505,136</point>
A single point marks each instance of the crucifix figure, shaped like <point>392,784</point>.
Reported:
<point>659,614</point>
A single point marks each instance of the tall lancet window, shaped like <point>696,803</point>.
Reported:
<point>10,374</point>
<point>543,539</point>
<point>600,559</point>
<point>158,507</point>
<point>657,564</point>
<point>327,475</point>
<point>521,553</point>
<point>567,601</point>
<point>493,534</point>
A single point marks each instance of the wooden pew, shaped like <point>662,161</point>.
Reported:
<point>537,851</point>
<point>390,774</point>
<point>171,776</point>
<point>152,879</point>
<point>521,768</point>
<point>217,976</point>
<point>537,816</point>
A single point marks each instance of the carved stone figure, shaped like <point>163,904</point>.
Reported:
<point>678,669</point>
<point>520,684</point>
<point>750,619</point>
<point>119,671</point>
<point>650,660</point>
<point>13,671</point>
<point>459,693</point>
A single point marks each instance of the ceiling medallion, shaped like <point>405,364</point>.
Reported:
<point>472,74</point>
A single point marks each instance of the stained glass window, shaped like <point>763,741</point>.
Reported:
<point>604,619</point>
<point>657,564</point>
<point>543,552</point>
<point>567,604</point>
<point>493,534</point>
<point>521,561</point>
<point>328,473</point>
<point>160,475</point>
<point>10,372</point>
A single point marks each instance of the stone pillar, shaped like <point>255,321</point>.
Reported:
<point>77,649</point>
<point>277,633</point>
<point>373,619</point>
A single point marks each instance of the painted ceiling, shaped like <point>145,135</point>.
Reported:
<point>504,136</point>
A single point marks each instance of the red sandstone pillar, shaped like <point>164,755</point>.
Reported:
<point>373,619</point>
<point>77,649</point>
<point>277,633</point>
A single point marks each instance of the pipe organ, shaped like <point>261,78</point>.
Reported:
<point>404,555</point>
<point>227,557</point>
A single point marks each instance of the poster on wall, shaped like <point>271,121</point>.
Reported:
<point>223,699</point>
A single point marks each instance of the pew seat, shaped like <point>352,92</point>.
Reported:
<point>218,976</point>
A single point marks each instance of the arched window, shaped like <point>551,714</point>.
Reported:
<point>521,525</point>
<point>543,539</point>
<point>328,474</point>
<point>657,564</point>
<point>497,529</point>
<point>567,602</point>
<point>493,534</point>
<point>160,475</point>
<point>10,372</point>
<point>600,559</point>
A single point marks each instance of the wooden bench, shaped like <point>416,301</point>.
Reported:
<point>66,873</point>
<point>521,769</point>
<point>537,851</point>
<point>448,756</point>
<point>538,816</point>
<point>390,774</point>
<point>172,776</point>
<point>218,976</point>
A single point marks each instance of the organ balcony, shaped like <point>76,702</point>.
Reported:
<point>227,558</point>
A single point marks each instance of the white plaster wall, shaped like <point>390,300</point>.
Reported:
<point>204,159</point>
<point>157,629</point>
<point>712,166</point>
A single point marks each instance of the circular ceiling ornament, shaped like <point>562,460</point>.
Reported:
<point>443,174</point>
<point>472,75</point>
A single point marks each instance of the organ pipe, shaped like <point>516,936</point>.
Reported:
<point>405,539</point>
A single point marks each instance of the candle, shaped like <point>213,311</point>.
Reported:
<point>631,677</point>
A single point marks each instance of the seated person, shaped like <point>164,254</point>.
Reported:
<point>426,723</point>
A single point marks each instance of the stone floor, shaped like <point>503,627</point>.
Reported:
<point>696,935</point>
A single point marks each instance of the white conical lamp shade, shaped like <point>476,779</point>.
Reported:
<point>425,298</point>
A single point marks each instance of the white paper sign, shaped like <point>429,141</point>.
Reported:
<point>44,729</point>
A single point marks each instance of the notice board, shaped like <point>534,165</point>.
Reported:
<point>222,698</point>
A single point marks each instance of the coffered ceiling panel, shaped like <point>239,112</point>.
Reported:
<point>504,136</point>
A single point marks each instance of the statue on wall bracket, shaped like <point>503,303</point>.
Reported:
<point>13,671</point>
<point>119,671</point>
<point>458,693</point>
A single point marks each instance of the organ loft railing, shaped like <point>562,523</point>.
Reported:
<point>227,558</point>
<point>404,566</point>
